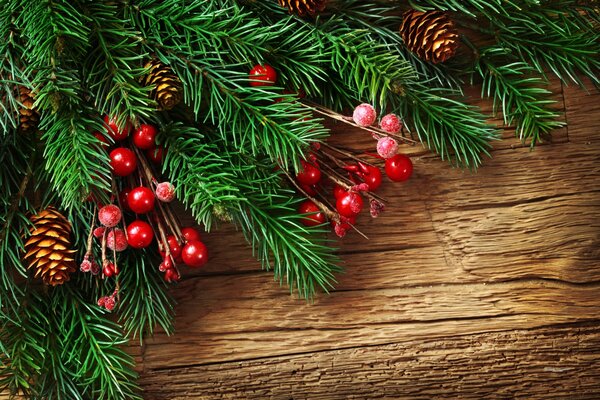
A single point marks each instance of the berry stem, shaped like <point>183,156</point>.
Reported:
<point>344,153</point>
<point>334,115</point>
<point>165,210</point>
<point>322,206</point>
<point>90,239</point>
<point>163,238</point>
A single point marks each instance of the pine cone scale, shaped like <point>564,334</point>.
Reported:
<point>167,91</point>
<point>304,7</point>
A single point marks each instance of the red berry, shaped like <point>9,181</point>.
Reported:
<point>311,190</point>
<point>174,246</point>
<point>102,301</point>
<point>109,270</point>
<point>102,139</point>
<point>309,175</point>
<point>263,75</point>
<point>141,200</point>
<point>123,194</point>
<point>349,205</point>
<point>116,240</point>
<point>387,147</point>
<point>317,217</point>
<point>171,275</point>
<point>390,123</point>
<point>194,254</point>
<point>339,191</point>
<point>109,303</point>
<point>398,168</point>
<point>190,234</point>
<point>144,136</point>
<point>342,227</point>
<point>364,115</point>
<point>139,234</point>
<point>123,161</point>
<point>156,155</point>
<point>372,178</point>
<point>99,232</point>
<point>167,264</point>
<point>109,215</point>
<point>165,192</point>
<point>113,130</point>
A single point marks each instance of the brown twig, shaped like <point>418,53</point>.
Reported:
<point>347,120</point>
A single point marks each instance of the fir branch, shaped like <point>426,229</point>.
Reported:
<point>144,299</point>
<point>23,352</point>
<point>519,92</point>
<point>76,164</point>
<point>90,348</point>
<point>57,37</point>
<point>456,131</point>
<point>114,69</point>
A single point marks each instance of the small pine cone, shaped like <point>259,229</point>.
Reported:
<point>29,118</point>
<point>304,7</point>
<point>48,250</point>
<point>430,35</point>
<point>167,86</point>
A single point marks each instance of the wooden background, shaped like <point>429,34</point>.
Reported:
<point>471,285</point>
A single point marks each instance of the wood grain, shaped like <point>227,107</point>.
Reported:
<point>552,362</point>
<point>457,293</point>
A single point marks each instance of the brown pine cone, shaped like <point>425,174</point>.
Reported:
<point>167,86</point>
<point>304,7</point>
<point>29,118</point>
<point>431,35</point>
<point>48,250</point>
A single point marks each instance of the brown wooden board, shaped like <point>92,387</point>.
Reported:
<point>471,285</point>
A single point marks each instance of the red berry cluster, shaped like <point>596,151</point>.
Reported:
<point>141,207</point>
<point>354,180</point>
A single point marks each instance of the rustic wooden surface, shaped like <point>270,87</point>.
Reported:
<point>482,285</point>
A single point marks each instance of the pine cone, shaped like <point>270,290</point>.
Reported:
<point>431,35</point>
<point>29,118</point>
<point>48,249</point>
<point>167,86</point>
<point>304,7</point>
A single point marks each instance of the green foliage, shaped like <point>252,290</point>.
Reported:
<point>230,143</point>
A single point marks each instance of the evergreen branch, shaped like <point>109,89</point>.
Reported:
<point>489,8</point>
<point>76,164</point>
<point>518,91</point>
<point>114,69</point>
<point>456,131</point>
<point>91,348</point>
<point>144,300</point>
<point>23,352</point>
<point>56,35</point>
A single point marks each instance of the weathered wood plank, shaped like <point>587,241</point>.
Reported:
<point>244,317</point>
<point>556,362</point>
<point>583,114</point>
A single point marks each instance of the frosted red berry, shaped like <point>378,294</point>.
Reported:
<point>109,215</point>
<point>156,154</point>
<point>390,123</point>
<point>99,232</point>
<point>165,192</point>
<point>116,240</point>
<point>263,75</point>
<point>139,234</point>
<point>144,136</point>
<point>364,115</point>
<point>387,147</point>
<point>190,234</point>
<point>349,204</point>
<point>141,200</point>
<point>398,168</point>
<point>109,303</point>
<point>309,174</point>
<point>123,161</point>
<point>116,132</point>
<point>194,254</point>
<point>316,217</point>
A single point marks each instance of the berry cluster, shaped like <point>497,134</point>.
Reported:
<point>353,180</point>
<point>141,207</point>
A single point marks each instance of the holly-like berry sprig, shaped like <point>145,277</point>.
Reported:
<point>139,215</point>
<point>354,180</point>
